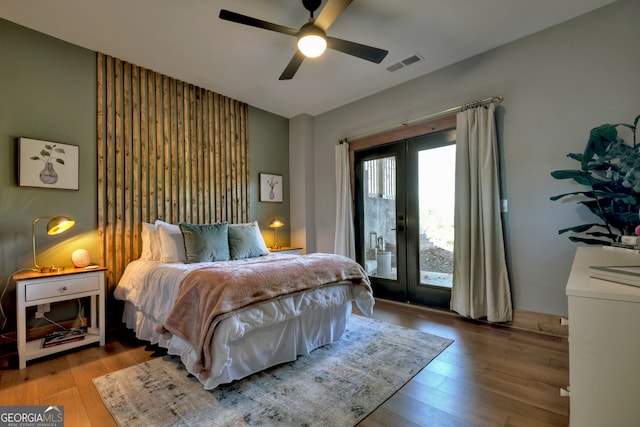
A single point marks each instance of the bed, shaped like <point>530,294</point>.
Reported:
<point>279,316</point>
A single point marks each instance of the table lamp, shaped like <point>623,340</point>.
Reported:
<point>56,225</point>
<point>275,224</point>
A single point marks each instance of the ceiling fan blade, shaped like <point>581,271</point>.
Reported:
<point>228,15</point>
<point>292,67</point>
<point>362,51</point>
<point>331,12</point>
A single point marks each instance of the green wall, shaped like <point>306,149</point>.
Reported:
<point>269,153</point>
<point>48,91</point>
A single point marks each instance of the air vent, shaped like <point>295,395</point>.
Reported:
<point>405,62</point>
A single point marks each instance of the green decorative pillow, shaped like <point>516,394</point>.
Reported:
<point>245,241</point>
<point>205,242</point>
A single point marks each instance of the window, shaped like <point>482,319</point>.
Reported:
<point>381,178</point>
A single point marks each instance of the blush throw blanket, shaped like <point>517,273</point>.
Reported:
<point>210,294</point>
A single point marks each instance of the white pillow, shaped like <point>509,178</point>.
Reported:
<point>150,242</point>
<point>171,242</point>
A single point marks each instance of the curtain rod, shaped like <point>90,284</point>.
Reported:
<point>478,103</point>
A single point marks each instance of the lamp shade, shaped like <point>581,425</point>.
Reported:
<point>59,224</point>
<point>276,223</point>
<point>311,41</point>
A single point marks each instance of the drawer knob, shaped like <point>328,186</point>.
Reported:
<point>62,289</point>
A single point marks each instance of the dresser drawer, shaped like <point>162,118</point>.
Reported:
<point>66,285</point>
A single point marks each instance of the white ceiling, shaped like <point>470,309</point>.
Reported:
<point>186,40</point>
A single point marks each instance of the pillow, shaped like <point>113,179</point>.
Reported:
<point>245,241</point>
<point>150,242</point>
<point>205,242</point>
<point>171,242</point>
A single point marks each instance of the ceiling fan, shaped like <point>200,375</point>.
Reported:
<point>312,37</point>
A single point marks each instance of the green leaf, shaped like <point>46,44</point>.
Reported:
<point>575,156</point>
<point>34,158</point>
<point>575,193</point>
<point>59,150</point>
<point>60,161</point>
<point>581,177</point>
<point>560,196</point>
<point>48,147</point>
<point>588,241</point>
<point>605,235</point>
<point>597,165</point>
<point>579,228</point>
<point>599,140</point>
<point>45,153</point>
<point>568,174</point>
<point>625,198</point>
<point>630,217</point>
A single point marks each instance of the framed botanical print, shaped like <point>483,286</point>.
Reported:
<point>270,188</point>
<point>47,164</point>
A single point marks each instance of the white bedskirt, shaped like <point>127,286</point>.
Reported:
<point>266,334</point>
<point>239,351</point>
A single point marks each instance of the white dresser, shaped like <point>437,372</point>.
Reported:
<point>604,343</point>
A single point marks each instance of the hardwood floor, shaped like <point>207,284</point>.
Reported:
<point>490,376</point>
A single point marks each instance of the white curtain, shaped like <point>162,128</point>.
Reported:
<point>344,243</point>
<point>480,281</point>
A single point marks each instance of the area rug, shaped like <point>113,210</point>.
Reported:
<point>336,385</point>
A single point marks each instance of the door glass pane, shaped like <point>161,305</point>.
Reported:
<point>380,217</point>
<point>436,192</point>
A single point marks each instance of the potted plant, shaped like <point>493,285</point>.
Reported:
<point>48,175</point>
<point>610,167</point>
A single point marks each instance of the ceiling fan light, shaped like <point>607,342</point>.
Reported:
<point>311,40</point>
<point>312,45</point>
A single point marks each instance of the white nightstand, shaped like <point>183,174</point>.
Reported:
<point>286,250</point>
<point>33,288</point>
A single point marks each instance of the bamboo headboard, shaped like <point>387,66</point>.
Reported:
<point>166,150</point>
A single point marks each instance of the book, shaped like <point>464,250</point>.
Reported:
<point>625,245</point>
<point>630,240</point>
<point>64,337</point>
<point>625,274</point>
<point>620,249</point>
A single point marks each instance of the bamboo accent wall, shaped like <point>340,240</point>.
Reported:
<point>166,150</point>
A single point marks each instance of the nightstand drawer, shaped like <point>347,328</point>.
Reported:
<point>66,285</point>
<point>286,250</point>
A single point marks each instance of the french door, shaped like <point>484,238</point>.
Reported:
<point>404,217</point>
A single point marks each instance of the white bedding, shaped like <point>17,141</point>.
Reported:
<point>272,332</point>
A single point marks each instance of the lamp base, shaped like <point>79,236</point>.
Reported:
<point>51,269</point>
